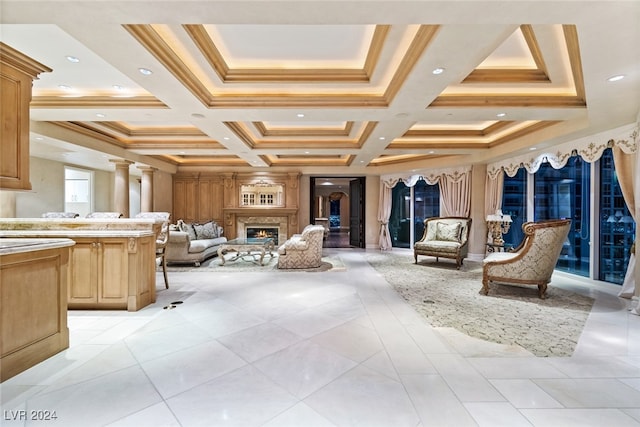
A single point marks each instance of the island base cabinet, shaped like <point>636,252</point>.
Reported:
<point>33,308</point>
<point>112,273</point>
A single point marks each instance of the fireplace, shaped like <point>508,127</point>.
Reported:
<point>262,232</point>
<point>245,219</point>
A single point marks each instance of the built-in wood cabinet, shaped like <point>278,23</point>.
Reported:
<point>112,273</point>
<point>224,197</point>
<point>99,267</point>
<point>17,72</point>
<point>33,302</point>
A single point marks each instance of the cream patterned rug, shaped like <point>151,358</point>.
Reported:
<point>511,315</point>
<point>251,263</point>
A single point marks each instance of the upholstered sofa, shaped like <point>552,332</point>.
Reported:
<point>192,243</point>
<point>444,237</point>
<point>302,250</point>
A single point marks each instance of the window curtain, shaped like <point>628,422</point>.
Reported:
<point>384,211</point>
<point>455,194</point>
<point>494,188</point>
<point>627,171</point>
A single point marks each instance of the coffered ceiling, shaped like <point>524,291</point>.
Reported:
<point>341,87</point>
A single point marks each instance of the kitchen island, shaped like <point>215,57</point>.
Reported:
<point>33,302</point>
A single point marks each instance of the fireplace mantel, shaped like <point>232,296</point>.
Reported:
<point>253,211</point>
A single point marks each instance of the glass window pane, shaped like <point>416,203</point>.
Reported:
<point>565,193</point>
<point>400,220</point>
<point>514,203</point>
<point>617,227</point>
<point>426,204</point>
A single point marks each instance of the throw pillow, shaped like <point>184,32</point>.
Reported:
<point>208,230</point>
<point>448,232</point>
<point>187,228</point>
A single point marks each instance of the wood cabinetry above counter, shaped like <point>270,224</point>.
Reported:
<point>17,72</point>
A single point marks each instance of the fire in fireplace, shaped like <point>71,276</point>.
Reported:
<point>262,233</point>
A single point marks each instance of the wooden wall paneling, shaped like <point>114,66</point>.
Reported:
<point>179,200</point>
<point>191,201</point>
<point>204,204</point>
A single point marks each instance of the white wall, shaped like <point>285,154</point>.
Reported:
<point>47,189</point>
<point>47,194</point>
<point>372,197</point>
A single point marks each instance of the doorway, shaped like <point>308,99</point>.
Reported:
<point>339,202</point>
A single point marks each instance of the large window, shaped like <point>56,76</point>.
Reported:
<point>565,193</point>
<point>617,227</point>
<point>78,191</point>
<point>426,204</point>
<point>411,206</point>
<point>400,220</point>
<point>514,203</point>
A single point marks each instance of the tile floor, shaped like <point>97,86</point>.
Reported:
<point>338,348</point>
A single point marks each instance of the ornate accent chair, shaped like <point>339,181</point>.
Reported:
<point>161,239</point>
<point>533,261</point>
<point>444,237</point>
<point>60,215</point>
<point>104,215</point>
<point>302,250</point>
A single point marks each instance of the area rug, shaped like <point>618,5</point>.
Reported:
<point>251,263</point>
<point>511,315</point>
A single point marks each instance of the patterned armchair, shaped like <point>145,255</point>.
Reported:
<point>60,215</point>
<point>302,250</point>
<point>532,262</point>
<point>104,215</point>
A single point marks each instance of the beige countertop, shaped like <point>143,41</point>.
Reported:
<point>63,233</point>
<point>14,246</point>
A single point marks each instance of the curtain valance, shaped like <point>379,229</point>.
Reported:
<point>589,148</point>
<point>453,175</point>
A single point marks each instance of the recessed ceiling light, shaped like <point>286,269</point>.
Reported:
<point>100,115</point>
<point>501,114</point>
<point>72,59</point>
<point>117,87</point>
<point>145,71</point>
<point>300,115</point>
<point>437,71</point>
<point>615,78</point>
<point>532,148</point>
<point>306,152</point>
<point>226,138</point>
<point>382,138</point>
<point>64,87</point>
<point>431,152</point>
<point>39,138</point>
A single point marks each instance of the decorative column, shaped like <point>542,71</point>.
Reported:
<point>146,189</point>
<point>121,187</point>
